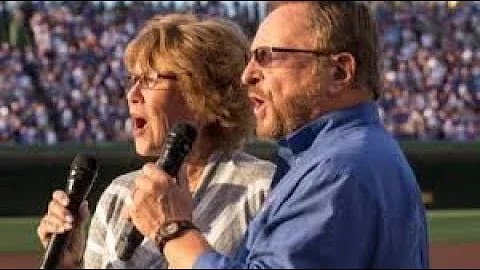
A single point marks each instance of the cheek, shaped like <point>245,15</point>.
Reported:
<point>292,91</point>
<point>283,91</point>
<point>171,109</point>
<point>156,108</point>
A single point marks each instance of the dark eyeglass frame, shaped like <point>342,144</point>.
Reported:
<point>149,81</point>
<point>263,55</point>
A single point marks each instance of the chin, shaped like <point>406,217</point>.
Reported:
<point>147,150</point>
<point>141,149</point>
<point>265,133</point>
<point>140,152</point>
<point>269,132</point>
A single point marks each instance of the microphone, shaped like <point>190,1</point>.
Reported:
<point>178,144</point>
<point>83,171</point>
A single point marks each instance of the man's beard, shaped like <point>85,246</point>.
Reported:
<point>287,118</point>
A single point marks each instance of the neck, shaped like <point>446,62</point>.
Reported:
<point>194,166</point>
<point>345,99</point>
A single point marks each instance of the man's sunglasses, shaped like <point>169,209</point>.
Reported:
<point>264,55</point>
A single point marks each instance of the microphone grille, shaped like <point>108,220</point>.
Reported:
<point>185,130</point>
<point>84,162</point>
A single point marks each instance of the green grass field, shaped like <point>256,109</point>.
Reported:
<point>18,235</point>
<point>454,226</point>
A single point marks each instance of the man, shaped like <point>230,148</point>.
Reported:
<point>343,195</point>
<point>182,70</point>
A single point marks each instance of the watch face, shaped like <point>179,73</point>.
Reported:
<point>171,228</point>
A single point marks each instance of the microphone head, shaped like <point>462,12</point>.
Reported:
<point>83,172</point>
<point>187,131</point>
<point>84,162</point>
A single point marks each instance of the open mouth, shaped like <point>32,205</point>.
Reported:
<point>256,100</point>
<point>258,104</point>
<point>139,124</point>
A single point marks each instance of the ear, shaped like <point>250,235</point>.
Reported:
<point>344,68</point>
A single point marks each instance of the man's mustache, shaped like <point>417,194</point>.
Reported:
<point>260,93</point>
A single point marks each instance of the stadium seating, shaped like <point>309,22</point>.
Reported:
<point>62,76</point>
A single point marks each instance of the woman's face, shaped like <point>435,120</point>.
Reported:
<point>155,103</point>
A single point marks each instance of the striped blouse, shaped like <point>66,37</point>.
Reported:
<point>233,189</point>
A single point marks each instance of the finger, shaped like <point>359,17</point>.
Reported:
<point>137,217</point>
<point>59,212</point>
<point>125,214</point>
<point>57,226</point>
<point>49,226</point>
<point>43,233</point>
<point>131,213</point>
<point>144,187</point>
<point>149,184</point>
<point>61,197</point>
<point>155,172</point>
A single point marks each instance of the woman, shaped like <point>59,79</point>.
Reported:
<point>183,70</point>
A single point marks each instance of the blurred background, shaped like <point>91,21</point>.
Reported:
<point>62,92</point>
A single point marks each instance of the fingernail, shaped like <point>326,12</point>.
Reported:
<point>65,202</point>
<point>69,218</point>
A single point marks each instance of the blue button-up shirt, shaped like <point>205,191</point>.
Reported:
<point>343,196</point>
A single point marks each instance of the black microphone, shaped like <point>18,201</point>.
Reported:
<point>178,144</point>
<point>83,171</point>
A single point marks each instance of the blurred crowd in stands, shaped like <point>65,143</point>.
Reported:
<point>62,78</point>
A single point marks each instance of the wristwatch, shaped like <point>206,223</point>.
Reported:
<point>172,230</point>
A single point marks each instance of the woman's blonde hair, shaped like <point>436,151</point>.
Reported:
<point>211,54</point>
<point>347,26</point>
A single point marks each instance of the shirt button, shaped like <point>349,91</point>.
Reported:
<point>297,160</point>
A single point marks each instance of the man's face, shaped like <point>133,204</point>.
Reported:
<point>283,86</point>
<point>155,104</point>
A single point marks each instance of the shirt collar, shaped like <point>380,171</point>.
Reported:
<point>292,145</point>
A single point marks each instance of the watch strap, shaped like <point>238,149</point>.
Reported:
<point>171,230</point>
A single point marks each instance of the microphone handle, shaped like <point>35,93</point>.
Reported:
<point>131,241</point>
<point>177,146</point>
<point>135,237</point>
<point>54,250</point>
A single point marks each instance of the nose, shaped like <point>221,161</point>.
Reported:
<point>134,95</point>
<point>252,74</point>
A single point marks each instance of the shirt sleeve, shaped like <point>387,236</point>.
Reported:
<point>327,221</point>
<point>214,260</point>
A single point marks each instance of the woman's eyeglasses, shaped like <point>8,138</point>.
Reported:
<point>264,55</point>
<point>149,81</point>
